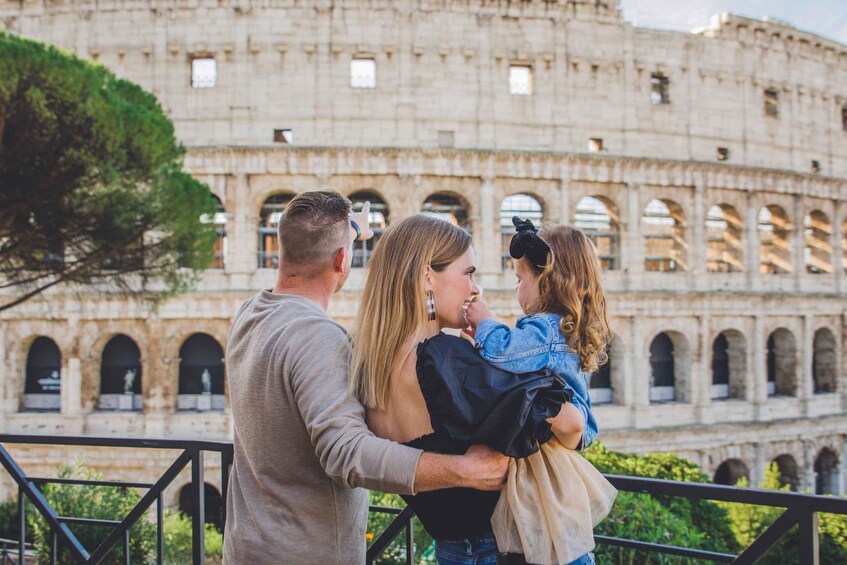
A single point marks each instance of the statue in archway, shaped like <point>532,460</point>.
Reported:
<point>129,381</point>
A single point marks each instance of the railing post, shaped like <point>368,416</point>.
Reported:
<point>226,467</point>
<point>160,535</point>
<point>198,507</point>
<point>410,541</point>
<point>21,526</point>
<point>809,547</point>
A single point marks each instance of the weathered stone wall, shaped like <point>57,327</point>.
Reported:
<point>443,66</point>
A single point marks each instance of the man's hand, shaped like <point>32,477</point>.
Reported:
<point>485,468</point>
<point>478,311</point>
<point>363,221</point>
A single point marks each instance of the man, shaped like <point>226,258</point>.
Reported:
<point>301,442</point>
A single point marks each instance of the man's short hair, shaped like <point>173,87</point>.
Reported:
<point>313,227</point>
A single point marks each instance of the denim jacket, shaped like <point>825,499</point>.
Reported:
<point>535,343</point>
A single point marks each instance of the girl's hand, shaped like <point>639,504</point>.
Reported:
<point>363,221</point>
<point>478,311</point>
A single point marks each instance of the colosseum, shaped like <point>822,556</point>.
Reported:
<point>710,168</point>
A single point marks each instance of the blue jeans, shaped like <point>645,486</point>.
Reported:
<point>481,550</point>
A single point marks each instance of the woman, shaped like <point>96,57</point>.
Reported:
<point>420,282</point>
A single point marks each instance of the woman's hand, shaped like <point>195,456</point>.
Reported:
<point>567,425</point>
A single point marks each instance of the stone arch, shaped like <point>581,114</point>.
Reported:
<point>824,361</point>
<point>782,363</point>
<point>669,367</point>
<point>729,365</point>
<point>269,218</point>
<point>663,226</point>
<point>730,472</point>
<point>789,472</point>
<point>724,245</point>
<point>826,472</point>
<point>219,221</point>
<point>817,249</point>
<point>377,219</point>
<point>212,503</point>
<point>120,375</point>
<point>449,206</point>
<point>605,383</point>
<point>202,376</point>
<point>42,381</point>
<point>527,207</point>
<point>774,241</point>
<point>599,219</point>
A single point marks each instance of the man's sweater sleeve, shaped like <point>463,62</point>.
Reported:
<point>347,450</point>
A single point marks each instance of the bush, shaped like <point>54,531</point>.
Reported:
<point>105,503</point>
<point>396,551</point>
<point>177,534</point>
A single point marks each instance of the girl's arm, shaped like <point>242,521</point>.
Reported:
<point>521,349</point>
<point>568,425</point>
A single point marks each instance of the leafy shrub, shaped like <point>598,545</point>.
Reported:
<point>178,540</point>
<point>396,551</point>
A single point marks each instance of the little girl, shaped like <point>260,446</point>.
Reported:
<point>553,498</point>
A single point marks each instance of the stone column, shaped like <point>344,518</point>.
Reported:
<point>807,481</point>
<point>244,241</point>
<point>752,259</point>
<point>759,389</point>
<point>805,384</point>
<point>5,375</point>
<point>798,243</point>
<point>757,473</point>
<point>638,377</point>
<point>632,244</point>
<point>697,249</point>
<point>487,242</point>
<point>701,374</point>
<point>71,401</point>
<point>837,250</point>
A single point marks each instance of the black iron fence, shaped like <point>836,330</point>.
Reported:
<point>800,509</point>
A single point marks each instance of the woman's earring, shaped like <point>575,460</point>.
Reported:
<point>430,305</point>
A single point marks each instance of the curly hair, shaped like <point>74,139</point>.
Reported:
<point>569,285</point>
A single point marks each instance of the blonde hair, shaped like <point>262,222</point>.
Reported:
<point>569,285</point>
<point>393,307</point>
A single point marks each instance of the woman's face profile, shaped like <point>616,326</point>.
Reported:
<point>454,288</point>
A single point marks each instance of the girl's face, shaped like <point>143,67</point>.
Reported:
<point>454,288</point>
<point>527,285</point>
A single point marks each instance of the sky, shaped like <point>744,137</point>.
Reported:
<point>827,18</point>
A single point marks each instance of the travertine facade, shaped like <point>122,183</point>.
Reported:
<point>716,163</point>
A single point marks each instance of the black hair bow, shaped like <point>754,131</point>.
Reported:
<point>526,243</point>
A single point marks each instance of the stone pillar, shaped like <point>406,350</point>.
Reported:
<point>697,248</point>
<point>798,243</point>
<point>757,473</point>
<point>5,375</point>
<point>565,215</point>
<point>752,259</point>
<point>807,481</point>
<point>71,401</point>
<point>638,377</point>
<point>244,242</point>
<point>837,250</point>
<point>487,242</point>
<point>759,389</point>
<point>805,384</point>
<point>632,244</point>
<point>701,374</point>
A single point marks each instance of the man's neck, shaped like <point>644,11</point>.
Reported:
<point>318,290</point>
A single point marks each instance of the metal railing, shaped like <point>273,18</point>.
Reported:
<point>190,453</point>
<point>800,509</point>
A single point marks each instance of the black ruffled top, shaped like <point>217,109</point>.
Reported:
<point>470,402</point>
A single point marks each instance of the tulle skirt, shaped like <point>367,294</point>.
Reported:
<point>550,504</point>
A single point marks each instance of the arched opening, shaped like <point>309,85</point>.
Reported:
<point>120,375</point>
<point>731,471</point>
<point>377,219</point>
<point>826,472</point>
<point>598,219</point>
<point>448,207</point>
<point>782,363</point>
<point>218,219</point>
<point>729,365</point>
<point>212,503</point>
<point>201,374</point>
<point>269,218</point>
<point>788,471</point>
<point>601,383</point>
<point>662,369</point>
<point>817,251</point>
<point>774,241</point>
<point>664,237</point>
<point>43,384</point>
<point>824,362</point>
<point>723,240</point>
<point>524,206</point>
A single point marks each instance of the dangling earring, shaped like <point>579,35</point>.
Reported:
<point>430,306</point>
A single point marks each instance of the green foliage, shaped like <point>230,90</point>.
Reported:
<point>92,189</point>
<point>396,552</point>
<point>105,503</point>
<point>177,534</point>
<point>748,522</point>
<point>706,518</point>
